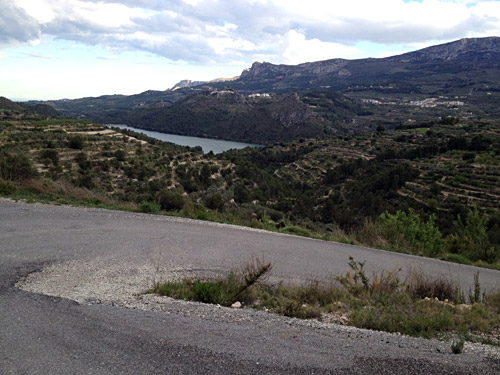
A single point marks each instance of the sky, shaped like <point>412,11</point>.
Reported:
<point>55,49</point>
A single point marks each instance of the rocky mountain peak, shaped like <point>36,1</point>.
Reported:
<point>470,49</point>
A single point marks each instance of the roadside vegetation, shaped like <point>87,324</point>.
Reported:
<point>430,189</point>
<point>420,305</point>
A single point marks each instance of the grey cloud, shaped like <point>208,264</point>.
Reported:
<point>350,31</point>
<point>15,24</point>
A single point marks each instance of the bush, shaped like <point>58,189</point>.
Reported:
<point>86,180</point>
<point>120,155</point>
<point>169,200</point>
<point>468,156</point>
<point>420,285</point>
<point>16,167</point>
<point>241,194</point>
<point>409,231</point>
<point>457,346</point>
<point>471,238</point>
<point>6,187</point>
<point>76,142</point>
<point>214,202</point>
<point>149,207</point>
<point>50,154</point>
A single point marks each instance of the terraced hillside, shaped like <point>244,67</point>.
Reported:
<point>445,174</point>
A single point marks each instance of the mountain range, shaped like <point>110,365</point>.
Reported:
<point>269,102</point>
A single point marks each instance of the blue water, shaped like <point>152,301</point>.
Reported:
<point>215,145</point>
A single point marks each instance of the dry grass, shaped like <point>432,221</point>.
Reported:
<point>422,285</point>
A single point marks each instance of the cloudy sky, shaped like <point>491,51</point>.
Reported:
<point>53,49</point>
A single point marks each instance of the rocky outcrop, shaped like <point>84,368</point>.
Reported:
<point>290,111</point>
<point>471,49</point>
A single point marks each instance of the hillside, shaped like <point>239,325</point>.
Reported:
<point>227,114</point>
<point>12,110</point>
<point>335,186</point>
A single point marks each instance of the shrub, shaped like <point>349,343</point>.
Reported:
<point>457,346</point>
<point>82,160</point>
<point>76,142</point>
<point>16,167</point>
<point>6,187</point>
<point>471,238</point>
<point>421,285</point>
<point>241,194</point>
<point>86,180</point>
<point>120,155</point>
<point>149,207</point>
<point>169,200</point>
<point>214,202</point>
<point>409,231</point>
<point>50,154</point>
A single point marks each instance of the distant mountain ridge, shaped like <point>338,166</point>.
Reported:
<point>11,110</point>
<point>468,49</point>
<point>460,78</point>
<point>473,49</point>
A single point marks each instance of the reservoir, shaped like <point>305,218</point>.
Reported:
<point>215,145</point>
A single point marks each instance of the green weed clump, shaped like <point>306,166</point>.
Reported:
<point>457,346</point>
<point>223,291</point>
<point>149,207</point>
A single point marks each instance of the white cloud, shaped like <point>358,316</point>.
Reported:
<point>224,30</point>
<point>299,49</point>
<point>39,10</point>
<point>38,55</point>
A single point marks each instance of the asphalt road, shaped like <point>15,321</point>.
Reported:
<point>41,334</point>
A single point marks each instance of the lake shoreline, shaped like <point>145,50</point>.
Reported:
<point>217,146</point>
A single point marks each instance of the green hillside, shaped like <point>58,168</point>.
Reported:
<point>439,180</point>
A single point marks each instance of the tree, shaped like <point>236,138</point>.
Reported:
<point>471,238</point>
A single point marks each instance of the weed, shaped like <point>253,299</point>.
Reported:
<point>420,285</point>
<point>381,303</point>
<point>355,280</point>
<point>475,295</point>
<point>457,346</point>
<point>253,271</point>
<point>149,207</point>
<point>6,187</point>
<point>223,291</point>
<point>457,258</point>
<point>299,231</point>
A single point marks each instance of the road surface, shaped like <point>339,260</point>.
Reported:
<point>42,334</point>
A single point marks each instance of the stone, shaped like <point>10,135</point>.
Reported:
<point>236,305</point>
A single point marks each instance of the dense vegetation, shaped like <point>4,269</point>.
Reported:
<point>426,188</point>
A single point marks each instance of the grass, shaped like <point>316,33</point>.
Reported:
<point>420,305</point>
